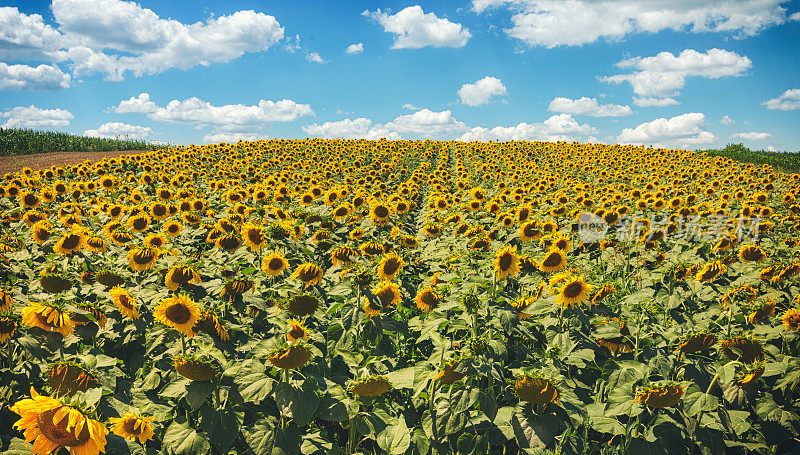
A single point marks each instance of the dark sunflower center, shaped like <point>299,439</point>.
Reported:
<point>59,434</point>
<point>71,241</point>
<point>139,224</point>
<point>428,298</point>
<point>125,301</point>
<point>159,210</point>
<point>143,257</point>
<point>173,228</point>
<point>297,332</point>
<point>275,264</point>
<point>391,266</point>
<point>7,326</point>
<point>573,290</point>
<point>309,274</point>
<point>130,426</point>
<point>254,235</point>
<point>381,211</point>
<point>31,199</point>
<point>386,296</point>
<point>505,261</point>
<point>178,313</point>
<point>552,260</point>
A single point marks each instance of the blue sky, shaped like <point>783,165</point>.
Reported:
<point>674,73</point>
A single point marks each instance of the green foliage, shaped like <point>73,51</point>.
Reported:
<point>18,141</point>
<point>786,161</point>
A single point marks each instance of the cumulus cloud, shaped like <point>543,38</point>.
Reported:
<point>415,29</point>
<point>727,120</point>
<point>360,128</point>
<point>314,57</point>
<point>751,136</point>
<point>24,77</point>
<point>27,37</point>
<point>410,107</point>
<point>788,101</point>
<point>551,23</point>
<point>32,117</point>
<point>421,124</point>
<point>481,91</point>
<point>560,127</point>
<point>588,106</point>
<point>654,102</point>
<point>231,137</point>
<point>120,130</point>
<point>664,75</point>
<point>426,123</point>
<point>136,105</point>
<point>356,48</point>
<point>682,130</point>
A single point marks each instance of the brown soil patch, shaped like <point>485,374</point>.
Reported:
<point>37,161</point>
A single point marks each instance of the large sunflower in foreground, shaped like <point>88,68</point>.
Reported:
<point>48,316</point>
<point>51,426</point>
<point>132,427</point>
<point>179,312</point>
<point>506,263</point>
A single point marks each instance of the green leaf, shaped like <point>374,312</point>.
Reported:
<point>396,439</point>
<point>336,406</point>
<point>182,440</point>
<point>197,392</point>
<point>254,386</point>
<point>298,403</point>
<point>402,379</point>
<point>606,425</point>
<point>534,431</point>
<point>221,426</point>
<point>259,437</point>
<point>695,401</point>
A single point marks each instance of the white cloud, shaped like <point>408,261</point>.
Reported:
<point>560,127</point>
<point>356,48</point>
<point>682,130</point>
<point>120,130</point>
<point>771,149</point>
<point>410,107</point>
<point>34,118</point>
<point>27,37</point>
<point>664,75</point>
<point>231,137</point>
<point>421,124</point>
<point>24,77</point>
<point>481,91</point>
<point>416,29</point>
<point>360,128</point>
<point>588,106</point>
<point>229,118</point>
<point>795,16</point>
<point>751,136</point>
<point>426,123</point>
<point>314,57</point>
<point>115,37</point>
<point>727,120</point>
<point>340,111</point>
<point>654,102</point>
<point>551,23</point>
<point>788,101</point>
<point>292,44</point>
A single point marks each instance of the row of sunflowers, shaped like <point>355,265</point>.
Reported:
<point>420,297</point>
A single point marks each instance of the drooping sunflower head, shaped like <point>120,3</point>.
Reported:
<point>8,327</point>
<point>372,386</point>
<point>210,323</point>
<point>751,253</point>
<point>6,300</point>
<point>308,273</point>
<point>179,312</point>
<point>53,282</point>
<point>196,367</point>
<point>535,389</point>
<point>743,349</point>
<point>254,236</point>
<point>388,294</point>
<point>711,271</point>
<point>450,372</point>
<point>143,258</point>
<point>51,425</point>
<point>762,311</point>
<point>749,373</point>
<point>343,255</point>
<point>698,342</point>
<point>302,305</point>
<point>236,287</point>
<point>132,427</point>
<point>70,243</point>
<point>48,316</point>
<point>67,378</point>
<point>662,395</point>
<point>274,264</point>
<point>124,302</point>
<point>290,357</point>
<point>791,319</point>
<point>108,278</point>
<point>555,260</point>
<point>181,276</point>
<point>88,312</point>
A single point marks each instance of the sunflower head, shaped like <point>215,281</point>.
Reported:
<point>196,368</point>
<point>301,305</point>
<point>290,357</point>
<point>389,266</point>
<point>450,372</point>
<point>427,299</point>
<point>506,263</point>
<point>372,386</point>
<point>555,260</point>
<point>296,331</point>
<point>749,373</point>
<point>143,258</point>
<point>108,278</point>
<point>791,319</point>
<point>179,312</point>
<point>308,273</point>
<point>48,316</point>
<point>743,349</point>
<point>210,323</point>
<point>8,327</point>
<point>274,264</point>
<point>132,427</point>
<point>535,389</point>
<point>661,396</point>
<point>698,342</point>
<point>67,378</point>
<point>573,291</point>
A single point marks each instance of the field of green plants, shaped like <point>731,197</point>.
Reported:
<point>18,141</point>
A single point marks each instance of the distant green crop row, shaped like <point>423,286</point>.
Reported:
<point>15,141</point>
<point>785,161</point>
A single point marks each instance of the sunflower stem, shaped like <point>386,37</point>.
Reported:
<point>183,344</point>
<point>351,437</point>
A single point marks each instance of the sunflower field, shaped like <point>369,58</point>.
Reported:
<point>401,297</point>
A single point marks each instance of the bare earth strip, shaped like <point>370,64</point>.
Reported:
<point>46,160</point>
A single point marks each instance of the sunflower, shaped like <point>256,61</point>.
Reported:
<point>302,305</point>
<point>108,278</point>
<point>53,283</point>
<point>748,349</point>
<point>51,317</point>
<point>554,261</point>
<point>432,230</point>
<point>180,276</point>
<point>751,253</point>
<point>697,343</point>
<point>388,294</point>
<point>762,312</point>
<point>529,231</point>
<point>41,231</point>
<point>290,357</point>
<point>574,291</point>
<point>747,374</point>
<point>139,223</point>
<point>663,396</point>
<point>427,299</point>
<point>254,236</point>
<point>6,301</point>
<point>82,318</point>
<point>506,263</point>
<point>209,323</point>
<point>371,386</point>
<point>96,244</point>
<point>67,378</point>
<point>602,293</point>
<point>379,214</point>
<point>143,258</point>
<point>274,264</point>
<point>172,228</point>
<point>791,319</point>
<point>308,273</point>
<point>535,389</point>
<point>196,368</point>
<point>343,255</point>
<point>389,266</point>
<point>296,331</point>
<point>790,271</point>
<point>132,427</point>
<point>179,312</point>
<point>51,426</point>
<point>8,327</point>
<point>123,300</point>
<point>235,288</point>
<point>447,372</point>
<point>711,271</point>
<point>69,243</point>
<point>521,304</point>
<point>372,248</point>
